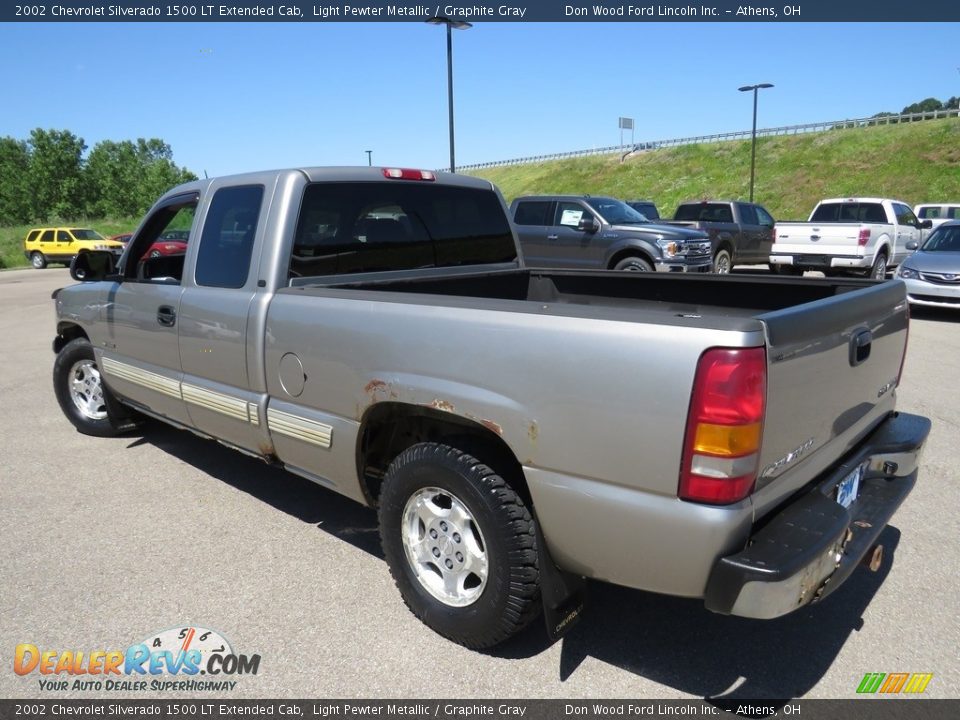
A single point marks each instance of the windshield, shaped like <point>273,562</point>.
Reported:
<point>616,212</point>
<point>943,239</point>
<point>83,234</point>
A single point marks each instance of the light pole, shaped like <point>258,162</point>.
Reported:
<point>753,144</point>
<point>369,157</point>
<point>451,25</point>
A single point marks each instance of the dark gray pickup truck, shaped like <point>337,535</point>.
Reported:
<point>603,234</point>
<point>733,439</point>
<point>741,233</point>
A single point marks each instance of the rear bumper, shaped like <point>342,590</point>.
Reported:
<point>811,546</point>
<point>820,262</point>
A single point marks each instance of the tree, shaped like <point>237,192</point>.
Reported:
<point>14,187</point>
<point>54,174</point>
<point>126,177</point>
<point>928,105</point>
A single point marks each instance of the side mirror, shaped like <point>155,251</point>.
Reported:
<point>912,245</point>
<point>926,224</point>
<point>589,225</point>
<point>92,265</point>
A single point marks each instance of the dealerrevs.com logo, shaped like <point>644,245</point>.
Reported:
<point>183,658</point>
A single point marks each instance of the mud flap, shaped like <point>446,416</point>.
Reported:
<point>564,594</point>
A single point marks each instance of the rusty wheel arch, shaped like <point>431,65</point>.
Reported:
<point>389,428</point>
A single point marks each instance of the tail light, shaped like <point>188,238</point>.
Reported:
<point>408,174</point>
<point>906,341</point>
<point>864,237</point>
<point>721,450</point>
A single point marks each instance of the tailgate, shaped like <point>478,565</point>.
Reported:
<point>818,239</point>
<point>832,370</point>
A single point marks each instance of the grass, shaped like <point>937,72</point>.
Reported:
<point>11,238</point>
<point>915,162</point>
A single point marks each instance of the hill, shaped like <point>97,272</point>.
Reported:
<point>914,162</point>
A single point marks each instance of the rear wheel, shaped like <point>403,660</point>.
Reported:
<point>879,269</point>
<point>634,264</point>
<point>38,260</point>
<point>722,263</point>
<point>460,544</point>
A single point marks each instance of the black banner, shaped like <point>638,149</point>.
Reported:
<point>859,11</point>
<point>214,709</point>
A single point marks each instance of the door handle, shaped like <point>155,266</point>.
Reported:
<point>166,316</point>
<point>552,237</point>
<point>814,237</point>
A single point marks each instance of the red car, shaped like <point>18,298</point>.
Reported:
<point>170,242</point>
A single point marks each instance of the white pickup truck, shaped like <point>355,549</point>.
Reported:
<point>869,235</point>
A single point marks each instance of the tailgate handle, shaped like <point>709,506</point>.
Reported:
<point>860,347</point>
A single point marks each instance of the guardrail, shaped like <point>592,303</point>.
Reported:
<point>721,137</point>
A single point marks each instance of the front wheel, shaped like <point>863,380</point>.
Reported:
<point>83,397</point>
<point>722,263</point>
<point>460,544</point>
<point>634,264</point>
<point>38,260</point>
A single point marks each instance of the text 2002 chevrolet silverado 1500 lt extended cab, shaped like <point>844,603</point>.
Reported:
<point>718,437</point>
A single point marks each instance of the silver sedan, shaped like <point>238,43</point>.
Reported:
<point>932,273</point>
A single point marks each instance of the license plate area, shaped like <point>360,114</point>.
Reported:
<point>849,487</point>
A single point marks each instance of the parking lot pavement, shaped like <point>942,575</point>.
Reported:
<point>106,541</point>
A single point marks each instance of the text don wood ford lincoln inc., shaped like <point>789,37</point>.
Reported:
<point>182,658</point>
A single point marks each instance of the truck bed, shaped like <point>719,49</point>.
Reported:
<point>709,300</point>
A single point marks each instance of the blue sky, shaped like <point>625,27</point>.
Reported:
<point>233,97</point>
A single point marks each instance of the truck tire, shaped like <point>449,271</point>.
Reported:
<point>38,260</point>
<point>722,262</point>
<point>634,263</point>
<point>83,397</point>
<point>879,269</point>
<point>460,545</point>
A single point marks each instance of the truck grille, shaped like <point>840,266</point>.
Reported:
<point>696,249</point>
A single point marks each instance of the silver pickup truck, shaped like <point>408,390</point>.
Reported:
<point>730,438</point>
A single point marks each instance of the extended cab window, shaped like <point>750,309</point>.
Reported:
<point>379,226</point>
<point>229,230</point>
<point>531,213</point>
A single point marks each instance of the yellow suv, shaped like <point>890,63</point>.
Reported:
<point>45,245</point>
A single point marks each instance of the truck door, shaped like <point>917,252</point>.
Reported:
<point>567,244</point>
<point>214,313</point>
<point>908,229</point>
<point>766,225</point>
<point>141,358</point>
<point>750,233</point>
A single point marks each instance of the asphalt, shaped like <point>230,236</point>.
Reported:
<point>106,542</point>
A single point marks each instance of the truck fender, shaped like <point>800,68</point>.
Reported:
<point>632,246</point>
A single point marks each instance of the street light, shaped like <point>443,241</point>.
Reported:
<point>451,25</point>
<point>369,157</point>
<point>753,146</point>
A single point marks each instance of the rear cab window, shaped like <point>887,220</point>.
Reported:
<point>850,212</point>
<point>706,212</point>
<point>356,227</point>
